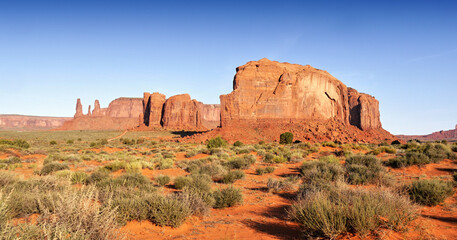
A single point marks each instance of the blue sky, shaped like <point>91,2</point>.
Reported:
<point>402,52</point>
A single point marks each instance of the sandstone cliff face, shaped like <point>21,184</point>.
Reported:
<point>125,108</point>
<point>152,109</point>
<point>211,115</point>
<point>21,122</point>
<point>271,90</point>
<point>364,110</point>
<point>180,112</point>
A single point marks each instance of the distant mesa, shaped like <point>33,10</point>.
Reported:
<point>448,135</point>
<point>23,122</point>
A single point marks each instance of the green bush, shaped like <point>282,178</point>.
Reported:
<point>52,142</point>
<point>323,170</point>
<point>286,138</point>
<point>199,183</point>
<point>241,162</point>
<point>165,163</point>
<point>53,167</point>
<point>332,213</point>
<point>364,169</point>
<point>16,143</point>
<point>238,144</point>
<point>216,142</point>
<point>97,176</point>
<point>454,148</point>
<point>410,158</point>
<point>430,192</point>
<point>232,176</point>
<point>162,180</point>
<point>227,197</point>
<point>115,166</point>
<point>165,211</point>
<point>395,142</point>
<point>269,169</point>
<point>260,171</point>
<point>78,177</point>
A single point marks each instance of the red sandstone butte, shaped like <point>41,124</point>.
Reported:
<point>180,112</point>
<point>271,97</point>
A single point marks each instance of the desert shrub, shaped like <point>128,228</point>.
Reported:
<point>97,176</point>
<point>70,141</point>
<point>364,169</point>
<point>268,157</point>
<point>181,182</point>
<point>131,180</point>
<point>430,192</point>
<point>454,176</point>
<point>395,142</point>
<point>260,171</point>
<point>216,142</point>
<point>329,159</point>
<point>165,211</point>
<point>53,142</point>
<point>410,158</point>
<point>238,144</point>
<point>227,197</point>
<point>52,167</point>
<point>115,166</point>
<point>322,170</point>
<point>296,156</point>
<point>438,152</point>
<point>269,169</point>
<point>241,162</point>
<point>12,160</point>
<point>78,177</point>
<point>214,170</point>
<point>386,149</point>
<point>135,166</point>
<point>165,163</point>
<point>454,148</point>
<point>200,183</point>
<point>199,203</point>
<point>329,144</point>
<point>331,213</point>
<point>286,138</point>
<point>232,176</point>
<point>280,185</point>
<point>162,180</point>
<point>15,143</point>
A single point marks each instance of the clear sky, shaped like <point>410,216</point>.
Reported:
<point>402,52</point>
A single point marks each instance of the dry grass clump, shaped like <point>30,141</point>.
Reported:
<point>227,197</point>
<point>430,192</point>
<point>276,185</point>
<point>331,213</point>
<point>362,169</point>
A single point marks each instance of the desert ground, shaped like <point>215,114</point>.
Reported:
<point>150,185</point>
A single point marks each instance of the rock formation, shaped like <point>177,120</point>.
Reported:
<point>79,108</point>
<point>448,135</point>
<point>121,114</point>
<point>181,112</point>
<point>211,115</point>
<point>21,122</point>
<point>269,95</point>
<point>267,90</point>
<point>363,110</point>
<point>152,109</point>
<point>96,112</point>
<point>178,112</point>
